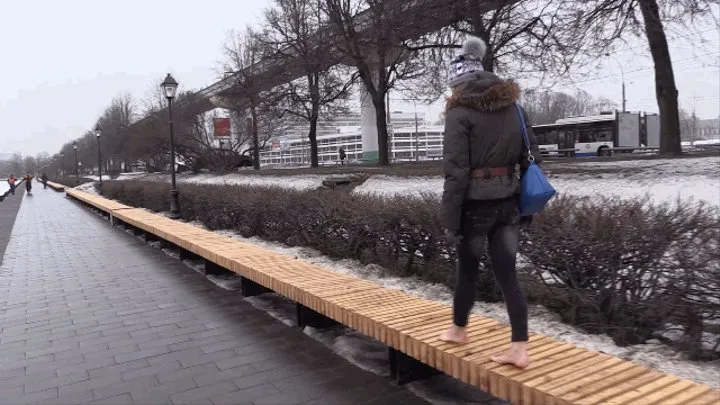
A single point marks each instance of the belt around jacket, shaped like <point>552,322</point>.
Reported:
<point>490,172</point>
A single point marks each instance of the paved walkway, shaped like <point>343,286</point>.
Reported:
<point>90,314</point>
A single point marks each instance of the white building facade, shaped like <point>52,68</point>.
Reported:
<point>406,145</point>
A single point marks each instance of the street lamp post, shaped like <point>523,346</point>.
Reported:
<point>622,76</point>
<point>98,131</point>
<point>169,87</point>
<point>417,135</point>
<point>77,167</point>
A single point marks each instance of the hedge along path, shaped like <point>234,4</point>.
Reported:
<point>561,373</point>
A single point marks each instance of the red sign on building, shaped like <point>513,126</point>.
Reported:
<point>221,127</point>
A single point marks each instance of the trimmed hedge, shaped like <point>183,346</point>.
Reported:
<point>631,269</point>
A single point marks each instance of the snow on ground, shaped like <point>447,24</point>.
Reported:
<point>304,182</point>
<point>88,188</point>
<point>650,168</point>
<point>653,354</point>
<point>662,180</point>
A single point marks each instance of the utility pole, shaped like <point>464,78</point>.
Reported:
<point>622,75</point>
<point>417,135</point>
<point>694,128</point>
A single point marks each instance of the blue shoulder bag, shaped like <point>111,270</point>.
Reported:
<point>535,189</point>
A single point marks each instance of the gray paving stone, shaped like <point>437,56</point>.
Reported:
<point>123,399</point>
<point>97,315</point>
<point>71,399</point>
<point>118,368</point>
<point>246,396</point>
<point>189,372</point>
<point>150,371</point>
<point>231,374</point>
<point>125,387</point>
<point>47,383</point>
<point>199,394</point>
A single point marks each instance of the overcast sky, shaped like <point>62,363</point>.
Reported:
<point>63,61</point>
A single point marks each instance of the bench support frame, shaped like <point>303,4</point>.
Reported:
<point>405,369</point>
<point>212,268</point>
<point>314,319</point>
<point>250,288</point>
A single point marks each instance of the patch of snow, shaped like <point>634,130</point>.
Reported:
<point>300,182</point>
<point>662,180</point>
<point>276,306</point>
<point>88,188</point>
<point>360,350</point>
<point>390,186</point>
<point>666,190</point>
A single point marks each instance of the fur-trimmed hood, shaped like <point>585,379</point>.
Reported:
<point>486,92</point>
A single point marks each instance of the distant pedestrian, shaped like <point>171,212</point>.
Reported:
<point>28,182</point>
<point>483,143</point>
<point>12,181</point>
<point>342,156</point>
<point>44,180</point>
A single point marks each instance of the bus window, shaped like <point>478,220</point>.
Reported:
<point>604,135</point>
<point>551,137</point>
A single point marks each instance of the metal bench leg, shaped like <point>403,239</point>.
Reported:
<point>212,268</point>
<point>314,319</point>
<point>250,288</point>
<point>405,369</point>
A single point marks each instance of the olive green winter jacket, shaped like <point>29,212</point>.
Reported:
<point>482,130</point>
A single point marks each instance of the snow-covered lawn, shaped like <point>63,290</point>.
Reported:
<point>87,187</point>
<point>304,182</point>
<point>662,180</point>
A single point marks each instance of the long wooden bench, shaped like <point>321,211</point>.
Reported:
<point>56,186</point>
<point>560,374</point>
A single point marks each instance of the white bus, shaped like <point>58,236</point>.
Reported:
<point>598,135</point>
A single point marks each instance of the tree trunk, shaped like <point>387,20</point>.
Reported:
<point>382,128</point>
<point>256,140</point>
<point>666,92</point>
<point>314,84</point>
<point>479,30</point>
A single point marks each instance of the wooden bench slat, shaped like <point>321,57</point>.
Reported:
<point>711,398</point>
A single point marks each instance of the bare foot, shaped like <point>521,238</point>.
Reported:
<point>455,334</point>
<point>517,356</point>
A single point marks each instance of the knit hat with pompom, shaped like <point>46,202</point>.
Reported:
<point>464,66</point>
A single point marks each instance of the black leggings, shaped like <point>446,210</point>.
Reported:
<point>497,222</point>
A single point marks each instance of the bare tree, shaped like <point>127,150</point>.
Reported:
<point>373,45</point>
<point>546,107</point>
<point>524,39</point>
<point>243,54</point>
<point>601,23</point>
<point>114,121</point>
<point>297,28</point>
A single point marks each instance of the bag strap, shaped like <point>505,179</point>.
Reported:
<point>526,140</point>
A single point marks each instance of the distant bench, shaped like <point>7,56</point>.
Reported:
<point>560,374</point>
<point>56,186</point>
